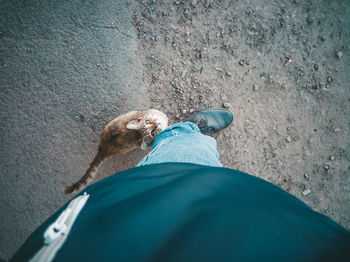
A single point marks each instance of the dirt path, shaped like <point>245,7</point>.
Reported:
<point>291,120</point>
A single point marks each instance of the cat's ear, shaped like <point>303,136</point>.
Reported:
<point>133,125</point>
<point>144,145</point>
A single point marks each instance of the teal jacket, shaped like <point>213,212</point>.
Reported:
<point>186,212</point>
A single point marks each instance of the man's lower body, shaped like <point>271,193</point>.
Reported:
<point>183,142</point>
<point>188,142</point>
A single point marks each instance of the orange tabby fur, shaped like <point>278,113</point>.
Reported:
<point>120,136</point>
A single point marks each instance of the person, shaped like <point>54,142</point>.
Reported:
<point>180,204</point>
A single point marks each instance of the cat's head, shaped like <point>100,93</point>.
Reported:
<point>150,125</point>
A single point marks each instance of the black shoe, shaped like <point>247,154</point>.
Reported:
<point>211,121</point>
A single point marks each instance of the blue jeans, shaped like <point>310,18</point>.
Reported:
<point>183,142</point>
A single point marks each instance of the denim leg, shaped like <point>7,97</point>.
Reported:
<point>183,142</point>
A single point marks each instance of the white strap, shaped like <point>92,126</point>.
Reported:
<point>57,233</point>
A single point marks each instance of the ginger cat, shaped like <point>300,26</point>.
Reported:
<point>120,136</point>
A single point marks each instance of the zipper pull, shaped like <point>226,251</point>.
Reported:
<point>57,233</point>
<point>57,228</point>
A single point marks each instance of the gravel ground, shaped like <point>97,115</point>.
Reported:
<point>67,68</point>
<point>282,68</point>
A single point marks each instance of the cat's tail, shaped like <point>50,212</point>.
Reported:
<point>89,175</point>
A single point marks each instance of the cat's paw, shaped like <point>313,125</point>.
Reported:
<point>146,144</point>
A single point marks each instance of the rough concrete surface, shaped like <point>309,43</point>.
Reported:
<point>68,67</point>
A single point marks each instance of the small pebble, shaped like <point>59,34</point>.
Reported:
<point>306,192</point>
<point>326,167</point>
<point>226,105</point>
<point>332,158</point>
<point>177,116</point>
<point>306,176</point>
<point>184,111</point>
<point>310,20</point>
<point>316,66</point>
<point>255,87</point>
<point>337,130</point>
<point>228,74</point>
<point>188,40</point>
<point>241,62</point>
<point>329,79</point>
<point>288,139</point>
<point>191,110</point>
<point>339,54</point>
<point>80,117</point>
